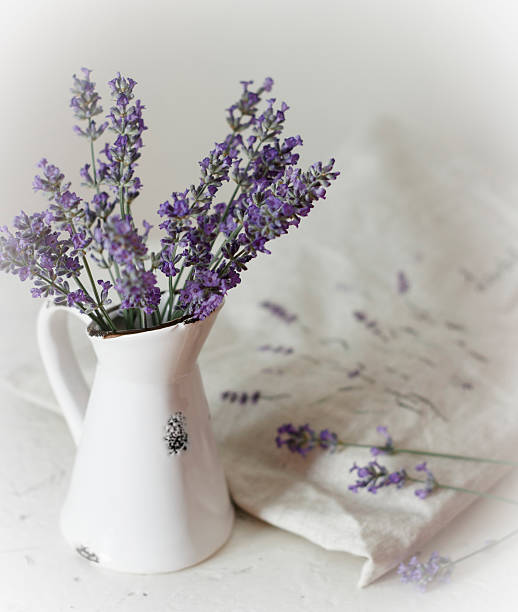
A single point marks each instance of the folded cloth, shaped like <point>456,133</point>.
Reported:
<point>395,306</point>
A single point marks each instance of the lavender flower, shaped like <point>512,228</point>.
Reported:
<point>138,289</point>
<point>402,283</point>
<point>35,251</point>
<point>121,157</point>
<point>369,324</point>
<point>85,103</point>
<point>242,398</point>
<point>300,440</point>
<point>279,311</point>
<point>67,210</point>
<point>124,246</point>
<point>388,448</point>
<point>374,476</point>
<point>430,483</point>
<point>206,241</point>
<point>436,569</point>
<point>122,242</point>
<point>304,439</point>
<point>328,440</point>
<point>271,195</point>
<point>79,297</point>
<point>283,350</point>
<point>51,180</point>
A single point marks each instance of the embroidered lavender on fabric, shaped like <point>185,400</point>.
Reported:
<point>176,434</point>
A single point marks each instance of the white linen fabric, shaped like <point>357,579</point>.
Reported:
<point>403,290</point>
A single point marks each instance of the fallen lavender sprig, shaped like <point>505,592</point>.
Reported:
<point>431,483</point>
<point>245,397</point>
<point>368,474</point>
<point>373,476</point>
<point>439,568</point>
<point>291,436</point>
<point>436,569</point>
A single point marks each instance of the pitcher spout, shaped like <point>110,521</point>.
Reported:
<point>155,355</point>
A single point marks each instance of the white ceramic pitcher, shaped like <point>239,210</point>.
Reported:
<point>147,492</point>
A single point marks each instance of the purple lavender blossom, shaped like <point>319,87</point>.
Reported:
<point>402,283</point>
<point>388,448</point>
<point>124,246</point>
<point>283,350</point>
<point>126,120</point>
<point>271,195</point>
<point>122,242</point>
<point>138,289</point>
<point>85,103</point>
<point>328,440</point>
<point>67,210</point>
<point>374,476</point>
<point>430,483</point>
<point>242,398</point>
<point>51,180</point>
<point>436,569</point>
<point>80,297</point>
<point>210,240</point>
<point>304,439</point>
<point>35,251</point>
<point>370,324</point>
<point>105,288</point>
<point>279,311</point>
<point>300,440</point>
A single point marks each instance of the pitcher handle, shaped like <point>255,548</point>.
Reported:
<point>60,362</point>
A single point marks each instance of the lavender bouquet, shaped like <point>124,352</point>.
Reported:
<point>86,252</point>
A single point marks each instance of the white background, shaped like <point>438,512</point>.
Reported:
<point>448,69</point>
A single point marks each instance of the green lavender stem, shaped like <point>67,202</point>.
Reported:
<point>96,184</point>
<point>238,186</point>
<point>410,451</point>
<point>169,304</point>
<point>96,293</point>
<point>101,321</point>
<point>232,198</point>
<point>485,547</point>
<point>92,154</point>
<point>172,288</point>
<point>507,500</point>
<point>218,255</point>
<point>59,289</point>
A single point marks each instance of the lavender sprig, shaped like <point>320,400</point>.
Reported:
<point>86,105</point>
<point>304,439</point>
<point>439,568</point>
<point>127,122</point>
<point>127,250</point>
<point>374,469</point>
<point>430,482</point>
<point>390,449</point>
<point>68,212</point>
<point>271,195</point>
<point>42,254</point>
<point>436,569</point>
<point>374,476</point>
